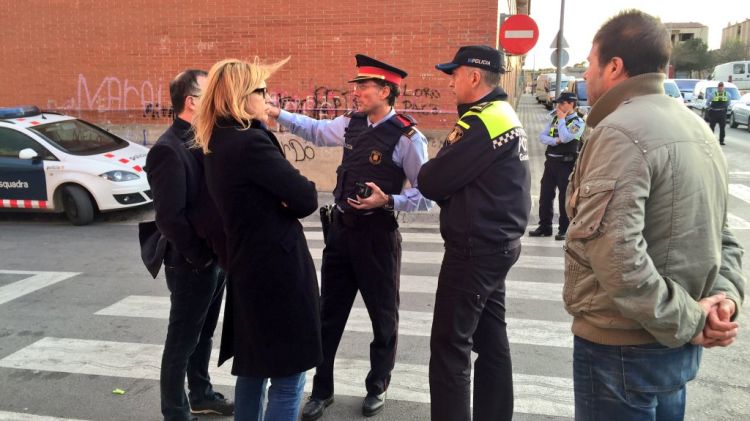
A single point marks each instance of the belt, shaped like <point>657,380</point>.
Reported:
<point>373,217</point>
<point>563,158</point>
<point>479,249</point>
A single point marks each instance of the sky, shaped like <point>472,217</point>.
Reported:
<point>584,17</point>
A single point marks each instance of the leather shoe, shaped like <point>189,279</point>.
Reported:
<point>373,404</point>
<point>314,408</point>
<point>560,235</point>
<point>541,231</point>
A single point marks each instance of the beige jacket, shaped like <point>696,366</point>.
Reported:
<point>648,235</point>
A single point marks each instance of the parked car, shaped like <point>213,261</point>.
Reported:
<point>737,72</point>
<point>686,87</point>
<point>741,113</point>
<point>703,89</point>
<point>672,90</point>
<point>57,163</point>
<point>579,88</point>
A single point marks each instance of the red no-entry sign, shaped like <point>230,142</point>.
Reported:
<point>518,34</point>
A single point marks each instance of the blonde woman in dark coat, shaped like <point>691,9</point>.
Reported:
<point>271,322</point>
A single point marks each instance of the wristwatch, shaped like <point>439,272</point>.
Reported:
<point>389,206</point>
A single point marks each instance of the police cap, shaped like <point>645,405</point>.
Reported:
<point>566,97</point>
<point>369,68</point>
<point>481,56</point>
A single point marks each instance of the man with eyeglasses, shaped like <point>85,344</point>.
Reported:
<point>382,149</point>
<point>195,253</point>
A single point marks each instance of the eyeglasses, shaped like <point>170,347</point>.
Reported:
<point>262,91</point>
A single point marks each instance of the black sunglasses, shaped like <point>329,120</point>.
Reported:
<point>262,91</point>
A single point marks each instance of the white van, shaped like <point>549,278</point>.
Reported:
<point>737,72</point>
<point>546,88</point>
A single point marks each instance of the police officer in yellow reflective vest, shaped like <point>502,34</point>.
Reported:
<point>562,136</point>
<point>480,179</point>
<point>717,103</point>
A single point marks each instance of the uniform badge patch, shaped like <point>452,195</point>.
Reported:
<point>455,135</point>
<point>574,129</point>
<point>376,157</point>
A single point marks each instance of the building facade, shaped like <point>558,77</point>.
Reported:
<point>684,31</point>
<point>737,32</point>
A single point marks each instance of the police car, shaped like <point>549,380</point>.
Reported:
<point>57,163</point>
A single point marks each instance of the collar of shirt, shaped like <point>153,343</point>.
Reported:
<point>183,129</point>
<point>493,95</point>
<point>377,123</point>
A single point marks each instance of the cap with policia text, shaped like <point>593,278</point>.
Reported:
<point>369,68</point>
<point>481,56</point>
<point>566,97</point>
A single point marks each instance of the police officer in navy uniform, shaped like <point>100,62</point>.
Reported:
<point>480,178</point>
<point>562,137</point>
<point>717,103</point>
<point>382,149</point>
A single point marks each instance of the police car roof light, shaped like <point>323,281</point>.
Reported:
<point>20,111</point>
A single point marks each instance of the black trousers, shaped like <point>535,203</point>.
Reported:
<point>195,297</point>
<point>720,117</point>
<point>362,253</point>
<point>470,315</point>
<point>556,173</point>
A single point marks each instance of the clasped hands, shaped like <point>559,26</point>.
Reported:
<point>719,330</point>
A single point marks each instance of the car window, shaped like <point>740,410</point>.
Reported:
<point>12,142</point>
<point>686,84</point>
<point>581,90</point>
<point>78,137</point>
<point>739,68</point>
<point>671,89</point>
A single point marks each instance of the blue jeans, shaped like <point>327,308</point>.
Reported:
<point>284,397</point>
<point>195,297</point>
<point>639,382</point>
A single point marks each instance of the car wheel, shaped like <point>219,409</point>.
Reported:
<point>77,205</point>
<point>733,124</point>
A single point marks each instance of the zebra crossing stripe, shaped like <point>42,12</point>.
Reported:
<point>435,238</point>
<point>436,258</point>
<point>544,291</point>
<point>20,416</point>
<point>740,191</point>
<point>37,280</point>
<point>737,223</point>
<point>411,323</point>
<point>539,395</point>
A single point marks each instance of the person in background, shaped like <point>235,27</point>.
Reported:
<point>562,137</point>
<point>272,316</point>
<point>717,103</point>
<point>653,275</point>
<point>193,259</point>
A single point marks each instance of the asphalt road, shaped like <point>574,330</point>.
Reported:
<point>81,317</point>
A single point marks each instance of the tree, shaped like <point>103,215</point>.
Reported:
<point>733,50</point>
<point>691,55</point>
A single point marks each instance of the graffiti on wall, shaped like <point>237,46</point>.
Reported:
<point>151,99</point>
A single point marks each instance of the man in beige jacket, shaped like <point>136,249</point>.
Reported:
<point>652,273</point>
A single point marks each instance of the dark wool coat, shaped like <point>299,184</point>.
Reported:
<point>272,317</point>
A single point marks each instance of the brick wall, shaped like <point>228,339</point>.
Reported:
<point>111,61</point>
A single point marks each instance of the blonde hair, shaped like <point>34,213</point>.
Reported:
<point>228,88</point>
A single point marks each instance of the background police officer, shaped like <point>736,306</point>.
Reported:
<point>480,179</point>
<point>382,149</point>
<point>717,103</point>
<point>562,136</point>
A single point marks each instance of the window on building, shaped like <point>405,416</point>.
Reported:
<point>685,37</point>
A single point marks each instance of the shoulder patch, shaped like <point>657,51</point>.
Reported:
<point>406,120</point>
<point>481,107</point>
<point>455,135</point>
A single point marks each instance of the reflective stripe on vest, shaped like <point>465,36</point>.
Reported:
<point>498,118</point>
<point>553,126</point>
<point>721,97</point>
